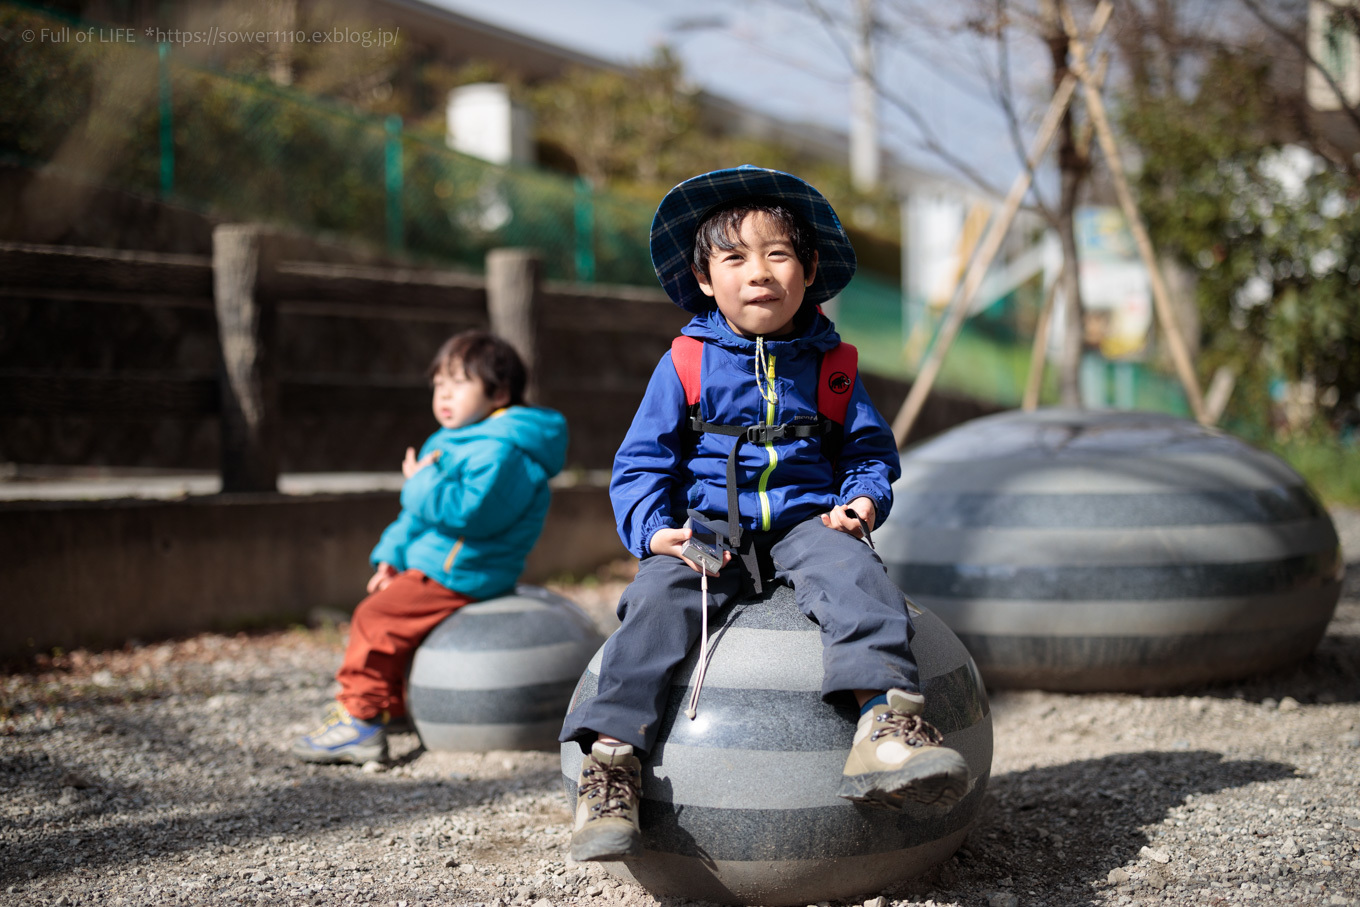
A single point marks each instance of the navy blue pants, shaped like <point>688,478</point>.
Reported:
<point>837,580</point>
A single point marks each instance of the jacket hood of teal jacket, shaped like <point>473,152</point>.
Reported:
<point>540,433</point>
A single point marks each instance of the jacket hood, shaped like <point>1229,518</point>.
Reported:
<point>539,432</point>
<point>818,334</point>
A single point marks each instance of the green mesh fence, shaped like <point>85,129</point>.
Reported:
<point>132,116</point>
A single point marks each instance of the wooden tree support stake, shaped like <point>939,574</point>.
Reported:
<point>1039,352</point>
<point>996,232</point>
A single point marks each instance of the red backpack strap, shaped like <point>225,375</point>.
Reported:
<point>686,355</point>
<point>835,381</point>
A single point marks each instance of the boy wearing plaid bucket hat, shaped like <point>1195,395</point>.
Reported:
<point>731,429</point>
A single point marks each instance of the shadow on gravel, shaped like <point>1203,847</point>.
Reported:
<point>1331,674</point>
<point>285,801</point>
<point>1060,830</point>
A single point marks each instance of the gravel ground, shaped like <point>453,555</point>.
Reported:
<point>160,775</point>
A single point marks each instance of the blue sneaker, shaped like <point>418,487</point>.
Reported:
<point>344,738</point>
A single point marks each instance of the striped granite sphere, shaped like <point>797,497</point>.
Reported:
<point>1112,550</point>
<point>498,674</point>
<point>739,805</point>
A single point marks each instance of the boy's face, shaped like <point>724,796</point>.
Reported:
<point>758,285</point>
<point>460,399</point>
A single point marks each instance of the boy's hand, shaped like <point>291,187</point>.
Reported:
<point>410,466</point>
<point>839,519</point>
<point>381,578</point>
<point>672,541</point>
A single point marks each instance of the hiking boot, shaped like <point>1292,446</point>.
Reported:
<point>899,756</point>
<point>344,738</point>
<point>607,796</point>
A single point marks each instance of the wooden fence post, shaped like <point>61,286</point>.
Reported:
<point>513,299</point>
<point>244,260</point>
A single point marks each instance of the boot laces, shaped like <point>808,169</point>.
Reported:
<point>335,715</point>
<point>615,786</point>
<point>913,729</point>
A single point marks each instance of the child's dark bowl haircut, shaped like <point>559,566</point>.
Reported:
<point>720,231</point>
<point>487,358</point>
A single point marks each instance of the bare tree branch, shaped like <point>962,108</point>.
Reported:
<point>927,138</point>
<point>1005,96</point>
<point>928,141</point>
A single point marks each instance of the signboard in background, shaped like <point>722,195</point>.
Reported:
<point>942,233</point>
<point>938,243</point>
<point>1115,288</point>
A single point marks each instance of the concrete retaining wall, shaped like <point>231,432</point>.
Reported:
<point>99,573</point>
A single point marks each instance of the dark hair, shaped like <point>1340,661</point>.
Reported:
<point>487,358</point>
<point>720,228</point>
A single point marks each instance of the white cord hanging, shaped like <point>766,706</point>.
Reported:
<point>693,709</point>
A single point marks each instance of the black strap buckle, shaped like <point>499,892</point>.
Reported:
<point>764,434</point>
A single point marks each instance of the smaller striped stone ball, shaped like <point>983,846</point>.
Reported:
<point>1116,551</point>
<point>499,674</point>
<point>739,805</point>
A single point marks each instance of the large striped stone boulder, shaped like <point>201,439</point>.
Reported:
<point>739,805</point>
<point>498,674</point>
<point>1112,550</point>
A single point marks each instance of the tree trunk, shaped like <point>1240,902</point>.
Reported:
<point>1073,167</point>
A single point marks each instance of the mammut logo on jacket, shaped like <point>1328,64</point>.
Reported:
<point>840,383</point>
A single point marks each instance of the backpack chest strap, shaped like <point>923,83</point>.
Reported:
<point>835,378</point>
<point>760,434</point>
<point>756,434</point>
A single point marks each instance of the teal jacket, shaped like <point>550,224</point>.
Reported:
<point>469,520</point>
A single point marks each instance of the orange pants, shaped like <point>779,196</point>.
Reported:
<point>383,635</point>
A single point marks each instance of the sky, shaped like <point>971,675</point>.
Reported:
<point>776,56</point>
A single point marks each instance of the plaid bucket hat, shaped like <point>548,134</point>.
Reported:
<point>684,208</point>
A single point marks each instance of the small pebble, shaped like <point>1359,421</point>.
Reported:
<point>1157,856</point>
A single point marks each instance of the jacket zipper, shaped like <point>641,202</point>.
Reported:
<point>453,553</point>
<point>763,486</point>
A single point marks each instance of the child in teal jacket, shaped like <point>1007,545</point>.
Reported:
<point>473,506</point>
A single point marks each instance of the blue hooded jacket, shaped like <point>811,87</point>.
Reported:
<point>662,468</point>
<point>469,520</point>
